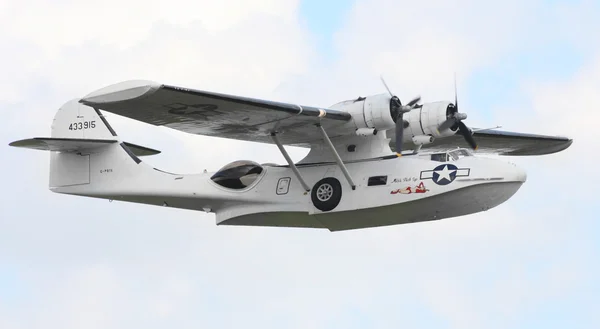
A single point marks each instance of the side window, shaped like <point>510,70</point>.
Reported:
<point>377,180</point>
<point>441,157</point>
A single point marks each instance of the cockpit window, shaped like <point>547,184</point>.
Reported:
<point>451,155</point>
<point>441,157</point>
<point>460,153</point>
<point>238,175</point>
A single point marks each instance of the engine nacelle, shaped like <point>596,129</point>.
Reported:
<point>371,112</point>
<point>377,112</point>
<point>374,112</point>
<point>425,120</point>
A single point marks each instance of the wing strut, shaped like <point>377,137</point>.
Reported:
<point>337,157</point>
<point>289,161</point>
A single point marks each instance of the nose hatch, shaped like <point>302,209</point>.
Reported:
<point>519,174</point>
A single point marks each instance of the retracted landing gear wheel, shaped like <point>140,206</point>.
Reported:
<point>326,194</point>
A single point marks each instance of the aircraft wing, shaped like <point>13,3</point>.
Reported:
<point>212,114</point>
<point>500,142</point>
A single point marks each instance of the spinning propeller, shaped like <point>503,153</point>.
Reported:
<point>397,111</point>
<point>454,121</point>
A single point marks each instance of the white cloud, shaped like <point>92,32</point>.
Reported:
<point>219,45</point>
<point>166,266</point>
<point>53,25</point>
<point>570,105</point>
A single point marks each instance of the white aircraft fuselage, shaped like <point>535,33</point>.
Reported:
<point>388,191</point>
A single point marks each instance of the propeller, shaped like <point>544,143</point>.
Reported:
<point>455,121</point>
<point>397,111</point>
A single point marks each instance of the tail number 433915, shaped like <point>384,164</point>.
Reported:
<point>82,125</point>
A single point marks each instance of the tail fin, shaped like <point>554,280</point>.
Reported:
<point>78,121</point>
<point>77,132</point>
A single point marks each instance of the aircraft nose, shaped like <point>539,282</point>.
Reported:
<point>519,174</point>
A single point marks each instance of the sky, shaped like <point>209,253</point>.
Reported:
<point>74,262</point>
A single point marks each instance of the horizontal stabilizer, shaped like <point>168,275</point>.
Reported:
<point>141,150</point>
<point>76,145</point>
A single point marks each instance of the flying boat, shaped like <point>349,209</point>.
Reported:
<point>373,161</point>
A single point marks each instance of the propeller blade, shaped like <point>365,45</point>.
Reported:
<point>399,134</point>
<point>446,124</point>
<point>455,93</point>
<point>462,128</point>
<point>414,101</point>
<point>386,86</point>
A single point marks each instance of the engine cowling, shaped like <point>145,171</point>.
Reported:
<point>377,113</point>
<point>374,112</point>
<point>425,120</point>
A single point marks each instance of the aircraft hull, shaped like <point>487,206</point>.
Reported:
<point>460,202</point>
<point>410,189</point>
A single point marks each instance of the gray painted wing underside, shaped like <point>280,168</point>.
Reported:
<point>501,142</point>
<point>227,116</point>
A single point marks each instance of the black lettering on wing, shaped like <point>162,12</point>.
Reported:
<point>203,110</point>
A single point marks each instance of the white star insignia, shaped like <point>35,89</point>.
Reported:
<point>445,174</point>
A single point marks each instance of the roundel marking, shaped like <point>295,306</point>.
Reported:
<point>444,174</point>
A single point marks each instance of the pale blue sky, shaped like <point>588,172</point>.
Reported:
<point>70,262</point>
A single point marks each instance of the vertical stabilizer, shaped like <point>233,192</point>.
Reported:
<point>75,120</point>
<point>85,152</point>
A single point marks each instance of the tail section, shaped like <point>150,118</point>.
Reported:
<point>78,121</point>
<point>82,140</point>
